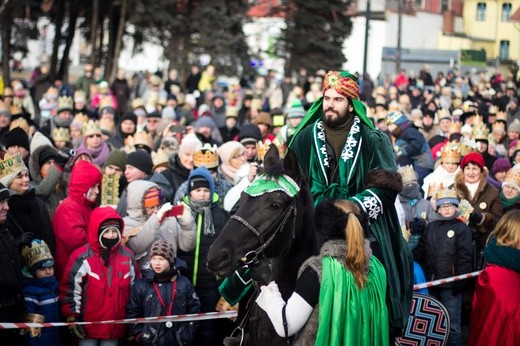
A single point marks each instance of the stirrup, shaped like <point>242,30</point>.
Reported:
<point>235,339</point>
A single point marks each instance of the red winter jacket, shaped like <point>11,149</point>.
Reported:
<point>72,216</point>
<point>91,291</point>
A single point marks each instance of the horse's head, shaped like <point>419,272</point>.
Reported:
<point>266,222</point>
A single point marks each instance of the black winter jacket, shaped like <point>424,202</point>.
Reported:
<point>11,278</point>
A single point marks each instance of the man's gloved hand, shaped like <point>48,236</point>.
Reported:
<point>76,330</point>
<point>476,218</point>
<point>25,239</point>
<point>166,207</point>
<point>417,226</point>
<point>260,271</point>
<point>186,219</point>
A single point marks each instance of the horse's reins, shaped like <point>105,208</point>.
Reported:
<point>275,229</point>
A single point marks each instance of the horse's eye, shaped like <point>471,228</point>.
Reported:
<point>274,206</point>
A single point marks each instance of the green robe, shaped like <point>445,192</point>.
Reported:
<point>366,150</point>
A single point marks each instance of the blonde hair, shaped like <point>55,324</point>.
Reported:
<point>507,231</point>
<point>355,259</point>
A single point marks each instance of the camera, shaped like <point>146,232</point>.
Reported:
<point>66,153</point>
<point>178,129</point>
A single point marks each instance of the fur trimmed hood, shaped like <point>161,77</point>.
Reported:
<point>463,191</point>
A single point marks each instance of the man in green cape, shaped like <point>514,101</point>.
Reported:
<point>344,157</point>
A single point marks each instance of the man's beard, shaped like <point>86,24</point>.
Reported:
<point>339,121</point>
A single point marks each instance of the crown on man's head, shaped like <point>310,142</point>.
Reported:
<point>81,118</point>
<point>143,139</point>
<point>261,148</point>
<point>11,164</point>
<point>110,189</point>
<point>105,102</point>
<point>207,156</point>
<point>480,132</point>
<point>61,134</point>
<point>91,128</point>
<point>407,173</point>
<point>65,103</point>
<point>137,103</point>
<point>451,152</point>
<point>159,158</point>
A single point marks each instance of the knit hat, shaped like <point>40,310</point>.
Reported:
<point>500,165</point>
<point>396,118</point>
<point>168,113</point>
<point>79,152</point>
<point>37,255</point>
<point>227,150</point>
<point>249,134</point>
<point>10,167</point>
<point>141,160</point>
<point>296,110</point>
<point>264,118</point>
<point>117,158</point>
<point>190,144</point>
<point>47,154</point>
<point>205,122</point>
<point>105,225</point>
<point>475,158</point>
<point>514,126</point>
<point>17,136</point>
<point>164,249</point>
<point>204,173</point>
<point>446,196</point>
<point>154,114</point>
<point>129,116</point>
<point>198,182</point>
<point>4,192</point>
<point>152,198</point>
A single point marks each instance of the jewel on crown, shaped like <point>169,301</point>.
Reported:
<point>11,164</point>
<point>207,156</point>
<point>451,152</point>
<point>90,128</point>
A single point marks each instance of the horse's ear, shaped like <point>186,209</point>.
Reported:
<point>271,156</point>
<point>290,165</point>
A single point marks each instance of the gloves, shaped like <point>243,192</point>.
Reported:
<point>24,239</point>
<point>476,218</point>
<point>186,219</point>
<point>417,226</point>
<point>76,330</point>
<point>260,271</point>
<point>166,207</point>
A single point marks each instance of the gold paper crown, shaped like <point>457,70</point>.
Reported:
<point>513,177</point>
<point>231,112</point>
<point>61,134</point>
<point>476,119</point>
<point>443,113</point>
<point>106,102</point>
<point>407,173</point>
<point>451,152</point>
<point>433,188</point>
<point>143,139</point>
<point>499,126</point>
<point>81,118</point>
<point>480,132</point>
<point>502,116</point>
<point>37,251</point>
<point>454,127</point>
<point>446,193</point>
<point>261,148</point>
<point>65,102</point>
<point>11,164</point>
<point>110,189</point>
<point>159,158</point>
<point>137,103</point>
<point>493,110</point>
<point>207,156</point>
<point>80,96</point>
<point>106,124</point>
<point>468,146</point>
<point>21,123</point>
<point>91,128</point>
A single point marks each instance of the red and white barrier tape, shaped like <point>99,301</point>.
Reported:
<point>157,319</point>
<point>446,280</point>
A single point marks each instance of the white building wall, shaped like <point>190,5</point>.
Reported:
<point>419,31</point>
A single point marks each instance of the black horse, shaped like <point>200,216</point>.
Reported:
<point>274,224</point>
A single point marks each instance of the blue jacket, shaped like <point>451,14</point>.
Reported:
<point>41,297</point>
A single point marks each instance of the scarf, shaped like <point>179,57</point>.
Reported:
<point>230,173</point>
<point>204,209</point>
<point>507,202</point>
<point>166,276</point>
<point>349,315</point>
<point>504,256</point>
<point>411,192</point>
<point>99,155</point>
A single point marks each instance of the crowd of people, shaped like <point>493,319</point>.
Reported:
<point>112,194</point>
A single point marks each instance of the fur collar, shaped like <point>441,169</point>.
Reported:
<point>463,191</point>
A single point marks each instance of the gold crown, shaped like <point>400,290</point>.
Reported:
<point>451,152</point>
<point>513,177</point>
<point>502,116</point>
<point>106,102</point>
<point>493,110</point>
<point>445,193</point>
<point>91,128</point>
<point>107,124</point>
<point>159,158</point>
<point>37,251</point>
<point>207,156</point>
<point>11,164</point>
<point>21,123</point>
<point>81,118</point>
<point>231,112</point>
<point>143,139</point>
<point>476,119</point>
<point>64,103</point>
<point>407,173</point>
<point>454,127</point>
<point>137,103</point>
<point>110,189</point>
<point>261,148</point>
<point>443,113</point>
<point>80,96</point>
<point>480,131</point>
<point>468,146</point>
<point>433,188</point>
<point>61,134</point>
<point>499,126</point>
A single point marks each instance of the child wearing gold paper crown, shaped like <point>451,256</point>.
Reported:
<point>40,293</point>
<point>445,250</point>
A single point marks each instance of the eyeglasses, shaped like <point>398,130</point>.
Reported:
<point>447,206</point>
<point>92,136</point>
<point>238,156</point>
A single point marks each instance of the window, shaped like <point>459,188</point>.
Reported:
<point>481,11</point>
<point>504,50</point>
<point>445,5</point>
<point>418,4</point>
<point>506,11</point>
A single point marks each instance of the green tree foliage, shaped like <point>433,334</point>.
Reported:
<point>315,34</point>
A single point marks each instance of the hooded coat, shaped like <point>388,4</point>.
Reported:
<point>72,217</point>
<point>93,291</point>
<point>151,229</point>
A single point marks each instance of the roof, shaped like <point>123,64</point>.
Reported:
<point>516,16</point>
<point>267,8</point>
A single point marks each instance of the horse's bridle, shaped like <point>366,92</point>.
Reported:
<point>274,229</point>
